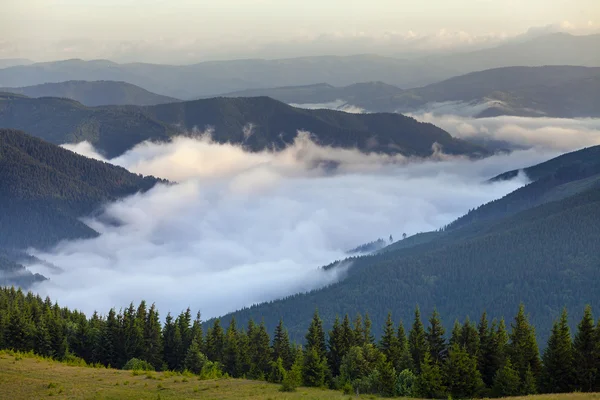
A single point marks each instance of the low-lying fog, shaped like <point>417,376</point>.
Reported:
<point>240,228</point>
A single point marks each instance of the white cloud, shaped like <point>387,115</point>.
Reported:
<point>242,228</point>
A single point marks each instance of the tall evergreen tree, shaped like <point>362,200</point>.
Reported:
<point>315,338</point>
<point>523,349</point>
<point>215,341</point>
<point>281,346</point>
<point>435,338</point>
<point>231,352</point>
<point>337,347</point>
<point>430,382</point>
<point>463,379</point>
<point>585,355</point>
<point>417,341</point>
<point>405,361</point>
<point>314,368</point>
<point>359,331</point>
<point>558,370</point>
<point>469,338</point>
<point>389,343</point>
<point>456,335</point>
<point>368,327</point>
<point>153,351</point>
<point>197,332</point>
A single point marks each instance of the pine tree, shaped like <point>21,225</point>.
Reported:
<point>315,338</point>
<point>417,341</point>
<point>456,336</point>
<point>486,351</point>
<point>430,384</point>
<point>585,353</point>
<point>194,359</point>
<point>368,335</point>
<point>282,347</point>
<point>389,343</point>
<point>184,321</point>
<point>463,379</point>
<point>523,349</point>
<point>558,369</point>
<point>260,352</point>
<point>469,338</point>
<point>215,341</point>
<point>231,353</point>
<point>42,341</point>
<point>153,351</point>
<point>506,381</point>
<point>386,379</point>
<point>405,361</point>
<point>337,348</point>
<point>170,351</point>
<point>133,333</point>
<point>359,331</point>
<point>197,333</point>
<point>435,338</point>
<point>314,368</point>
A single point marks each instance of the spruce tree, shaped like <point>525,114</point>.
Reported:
<point>282,347</point>
<point>523,350</point>
<point>405,361</point>
<point>153,352</point>
<point>462,378</point>
<point>389,343</point>
<point>197,332</point>
<point>315,338</point>
<point>194,360</point>
<point>359,331</point>
<point>506,381</point>
<point>435,338</point>
<point>417,341</point>
<point>430,382</point>
<point>314,368</point>
<point>215,341</point>
<point>456,335</point>
<point>169,345</point>
<point>469,338</point>
<point>368,335</point>
<point>486,351</point>
<point>558,368</point>
<point>585,352</point>
<point>337,347</point>
<point>231,352</point>
<point>261,360</point>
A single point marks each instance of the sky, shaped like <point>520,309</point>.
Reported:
<point>203,29</point>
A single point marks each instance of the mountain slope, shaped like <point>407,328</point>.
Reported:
<point>544,255</point>
<point>114,130</point>
<point>45,189</point>
<point>97,93</point>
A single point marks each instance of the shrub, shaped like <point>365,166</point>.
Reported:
<point>135,364</point>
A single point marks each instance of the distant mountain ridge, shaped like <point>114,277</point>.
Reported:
<point>116,129</point>
<point>218,77</point>
<point>96,93</point>
<point>554,91</point>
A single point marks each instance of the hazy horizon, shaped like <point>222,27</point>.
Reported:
<point>183,32</point>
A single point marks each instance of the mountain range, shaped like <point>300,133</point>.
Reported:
<point>537,245</point>
<point>97,93</point>
<point>256,123</point>
<point>551,91</point>
<point>217,77</point>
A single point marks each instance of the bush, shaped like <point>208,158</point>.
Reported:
<point>135,364</point>
<point>292,378</point>
<point>405,383</point>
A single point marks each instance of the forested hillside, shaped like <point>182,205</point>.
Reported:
<point>94,93</point>
<point>257,123</point>
<point>45,189</point>
<point>422,360</point>
<point>519,248</point>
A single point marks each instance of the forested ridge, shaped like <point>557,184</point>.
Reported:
<point>533,246</point>
<point>474,359</point>
<point>256,123</point>
<point>45,189</point>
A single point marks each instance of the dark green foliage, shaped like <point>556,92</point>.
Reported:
<point>506,381</point>
<point>28,323</point>
<point>136,364</point>
<point>524,352</point>
<point>463,379</point>
<point>430,381</point>
<point>282,347</point>
<point>417,342</point>
<point>314,368</point>
<point>315,338</point>
<point>435,338</point>
<point>559,371</point>
<point>587,353</point>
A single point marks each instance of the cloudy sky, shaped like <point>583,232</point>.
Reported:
<point>206,29</point>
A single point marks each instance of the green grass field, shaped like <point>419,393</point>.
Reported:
<point>27,377</point>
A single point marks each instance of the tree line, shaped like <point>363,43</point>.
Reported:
<point>474,360</point>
